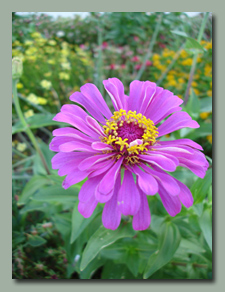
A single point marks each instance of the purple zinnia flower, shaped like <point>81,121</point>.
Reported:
<point>99,145</point>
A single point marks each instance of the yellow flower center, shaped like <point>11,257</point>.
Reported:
<point>130,134</point>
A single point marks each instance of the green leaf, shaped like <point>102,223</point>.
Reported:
<point>34,206</point>
<point>116,271</point>
<point>193,105</point>
<point>92,267</point>
<point>193,45</point>
<point>38,167</point>
<point>206,104</point>
<point>201,187</point>
<point>181,33</point>
<point>34,184</point>
<point>169,241</point>
<point>102,238</point>
<point>62,223</point>
<point>36,240</point>
<point>204,130</point>
<point>205,222</point>
<point>79,223</point>
<point>57,194</point>
<point>36,121</point>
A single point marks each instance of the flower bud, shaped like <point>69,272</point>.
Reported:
<point>17,67</point>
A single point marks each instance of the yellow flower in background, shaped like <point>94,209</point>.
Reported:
<point>31,51</point>
<point>66,66</point>
<point>180,96</point>
<point>196,91</point>
<point>209,138</point>
<point>208,45</point>
<point>46,84</point>
<point>155,57</point>
<point>183,54</point>
<point>170,76</point>
<point>211,84</point>
<point>28,113</point>
<point>21,147</point>
<point>204,115</point>
<point>64,45</point>
<point>52,42</point>
<point>19,85</point>
<point>196,76</point>
<point>28,43</point>
<point>36,35</point>
<point>187,62</point>
<point>48,74</point>
<point>208,70</point>
<point>32,98</point>
<point>49,50</point>
<point>65,52</point>
<point>172,82</point>
<point>194,84</point>
<point>31,58</point>
<point>156,63</point>
<point>162,67</point>
<point>209,93</point>
<point>51,62</point>
<point>41,41</point>
<point>181,80</point>
<point>64,76</point>
<point>42,100</point>
<point>199,59</point>
<point>17,43</point>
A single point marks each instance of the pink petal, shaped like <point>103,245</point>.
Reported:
<point>128,197</point>
<point>172,204</point>
<point>111,215</point>
<point>86,209</point>
<point>115,89</point>
<point>108,181</point>
<point>175,122</point>
<point>142,218</point>
<point>146,181</point>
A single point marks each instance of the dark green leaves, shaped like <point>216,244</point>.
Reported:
<point>169,240</point>
<point>205,223</point>
<point>102,238</point>
<point>201,187</point>
<point>79,223</point>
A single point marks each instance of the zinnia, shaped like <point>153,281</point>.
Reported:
<point>101,144</point>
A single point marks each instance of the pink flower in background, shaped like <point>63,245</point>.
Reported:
<point>148,63</point>
<point>82,46</point>
<point>112,66</point>
<point>161,45</point>
<point>104,146</point>
<point>135,59</point>
<point>123,66</point>
<point>136,38</point>
<point>137,67</point>
<point>104,45</point>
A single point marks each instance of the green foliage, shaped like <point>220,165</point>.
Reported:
<point>50,238</point>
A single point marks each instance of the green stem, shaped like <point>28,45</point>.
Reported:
<point>99,64</point>
<point>151,45</point>
<point>201,31</point>
<point>26,127</point>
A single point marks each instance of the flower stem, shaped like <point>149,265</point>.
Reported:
<point>151,45</point>
<point>201,31</point>
<point>26,127</point>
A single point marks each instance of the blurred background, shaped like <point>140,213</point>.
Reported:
<point>61,51</point>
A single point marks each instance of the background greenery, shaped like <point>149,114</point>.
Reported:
<point>50,238</point>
